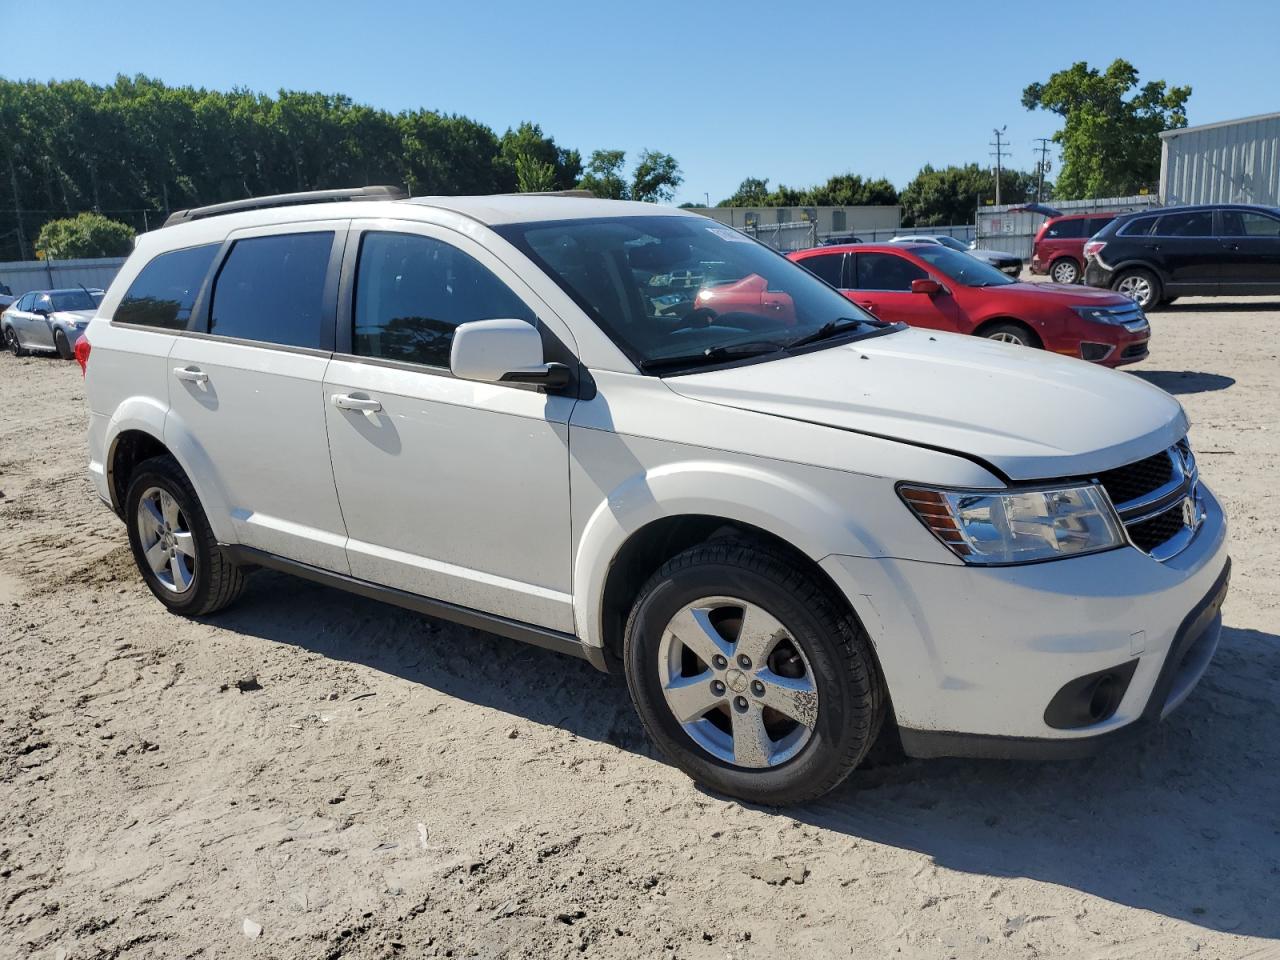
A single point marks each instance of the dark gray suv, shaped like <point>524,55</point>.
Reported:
<point>1204,251</point>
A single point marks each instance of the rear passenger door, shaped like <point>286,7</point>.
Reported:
<point>1184,247</point>
<point>450,489</point>
<point>246,387</point>
<point>1250,243</point>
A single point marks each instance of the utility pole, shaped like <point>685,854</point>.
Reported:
<point>999,153</point>
<point>1042,167</point>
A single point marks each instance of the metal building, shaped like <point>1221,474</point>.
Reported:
<point>1235,161</point>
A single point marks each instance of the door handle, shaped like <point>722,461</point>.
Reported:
<point>1152,246</point>
<point>191,374</point>
<point>1231,246</point>
<point>345,401</point>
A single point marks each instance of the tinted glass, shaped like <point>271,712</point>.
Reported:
<point>72,300</point>
<point>27,302</point>
<point>1140,227</point>
<point>272,289</point>
<point>1066,229</point>
<point>1096,224</point>
<point>1197,223</point>
<point>669,288</point>
<point>886,271</point>
<point>164,292</point>
<point>43,302</point>
<point>826,267</point>
<point>962,268</point>
<point>953,243</point>
<point>411,292</point>
<point>1239,223</point>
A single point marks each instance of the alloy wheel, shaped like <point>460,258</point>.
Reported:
<point>1007,336</point>
<point>737,682</point>
<point>1137,288</point>
<point>166,540</point>
<point>1064,271</point>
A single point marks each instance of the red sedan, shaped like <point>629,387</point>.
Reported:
<point>927,285</point>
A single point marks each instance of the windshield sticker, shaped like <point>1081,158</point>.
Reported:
<point>733,236</point>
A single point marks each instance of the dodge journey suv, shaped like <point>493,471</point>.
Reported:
<point>792,526</point>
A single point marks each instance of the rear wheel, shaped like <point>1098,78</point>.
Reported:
<point>1010,332</point>
<point>63,345</point>
<point>750,676</point>
<point>1065,271</point>
<point>173,544</point>
<point>11,341</point>
<point>1141,286</point>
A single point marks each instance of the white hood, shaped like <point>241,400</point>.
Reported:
<point>1031,414</point>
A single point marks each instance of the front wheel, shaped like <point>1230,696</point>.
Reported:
<point>1141,286</point>
<point>63,345</point>
<point>11,341</point>
<point>1014,333</point>
<point>173,544</point>
<point>750,676</point>
<point>1065,271</point>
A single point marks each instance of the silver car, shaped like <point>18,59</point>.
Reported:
<point>1008,263</point>
<point>48,321</point>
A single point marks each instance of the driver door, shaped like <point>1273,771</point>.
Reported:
<point>39,331</point>
<point>881,283</point>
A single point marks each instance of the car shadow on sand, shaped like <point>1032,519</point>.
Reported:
<point>1184,821</point>
<point>1179,382</point>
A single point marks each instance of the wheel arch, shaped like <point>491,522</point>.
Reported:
<point>981,329</point>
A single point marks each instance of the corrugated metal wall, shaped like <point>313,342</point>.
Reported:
<point>1010,230</point>
<point>24,275</point>
<point>1236,162</point>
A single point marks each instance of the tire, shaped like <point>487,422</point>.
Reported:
<point>813,655</point>
<point>11,341</point>
<point>1142,286</point>
<point>1167,300</point>
<point>1065,270</point>
<point>1009,332</point>
<point>214,580</point>
<point>63,346</point>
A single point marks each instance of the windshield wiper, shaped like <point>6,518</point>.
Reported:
<point>733,351</point>
<point>831,329</point>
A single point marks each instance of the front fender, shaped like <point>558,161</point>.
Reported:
<point>803,514</point>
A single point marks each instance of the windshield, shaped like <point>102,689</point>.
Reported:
<point>953,243</point>
<point>670,288</point>
<point>72,300</point>
<point>963,269</point>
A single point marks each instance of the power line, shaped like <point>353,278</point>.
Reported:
<point>999,153</point>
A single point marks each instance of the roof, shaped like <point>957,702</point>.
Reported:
<point>532,207</point>
<point>1179,131</point>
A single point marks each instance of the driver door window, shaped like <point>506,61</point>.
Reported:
<point>888,272</point>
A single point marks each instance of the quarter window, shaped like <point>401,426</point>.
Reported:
<point>885,271</point>
<point>413,291</point>
<point>1239,223</point>
<point>1196,223</point>
<point>825,266</point>
<point>272,289</point>
<point>1066,230</point>
<point>1140,227</point>
<point>163,294</point>
<point>26,303</point>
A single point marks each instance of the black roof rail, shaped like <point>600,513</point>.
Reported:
<point>286,200</point>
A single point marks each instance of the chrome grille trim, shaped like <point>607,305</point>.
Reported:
<point>1181,492</point>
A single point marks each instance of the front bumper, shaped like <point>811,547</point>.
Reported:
<point>973,656</point>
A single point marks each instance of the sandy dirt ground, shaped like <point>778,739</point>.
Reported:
<point>391,786</point>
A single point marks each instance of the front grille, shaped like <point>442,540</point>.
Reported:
<point>1136,480</point>
<point>1158,499</point>
<point>1150,534</point>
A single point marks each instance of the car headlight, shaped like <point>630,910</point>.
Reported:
<point>1105,314</point>
<point>1018,526</point>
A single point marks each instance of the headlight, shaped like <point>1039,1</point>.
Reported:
<point>1018,526</point>
<point>1104,314</point>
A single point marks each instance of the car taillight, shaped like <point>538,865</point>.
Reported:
<point>82,354</point>
<point>1093,248</point>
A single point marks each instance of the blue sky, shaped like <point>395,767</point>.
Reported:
<point>792,91</point>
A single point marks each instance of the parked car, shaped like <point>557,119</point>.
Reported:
<point>838,239</point>
<point>788,523</point>
<point>1009,263</point>
<point>1058,249</point>
<point>932,286</point>
<point>1203,251</point>
<point>6,296</point>
<point>47,321</point>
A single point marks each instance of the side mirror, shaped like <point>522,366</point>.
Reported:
<point>503,351</point>
<point>42,312</point>
<point>927,286</point>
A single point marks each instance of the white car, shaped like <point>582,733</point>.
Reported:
<point>793,526</point>
<point>1009,263</point>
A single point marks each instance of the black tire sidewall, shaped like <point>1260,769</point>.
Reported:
<point>164,473</point>
<point>59,339</point>
<point>1157,288</point>
<point>822,761</point>
<point>1053,271</point>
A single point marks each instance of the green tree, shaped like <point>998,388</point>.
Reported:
<point>656,177</point>
<point>604,175</point>
<point>538,152</point>
<point>845,189</point>
<point>1109,136</point>
<point>85,235</point>
<point>532,175</point>
<point>938,197</point>
<point>751,192</point>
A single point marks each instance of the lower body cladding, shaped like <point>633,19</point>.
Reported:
<point>1108,345</point>
<point>1043,661</point>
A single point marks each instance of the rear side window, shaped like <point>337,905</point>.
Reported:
<point>413,291</point>
<point>825,266</point>
<point>1066,230</point>
<point>163,294</point>
<point>26,303</point>
<point>1197,223</point>
<point>1241,223</point>
<point>271,289</point>
<point>1139,227</point>
<point>885,271</point>
<point>1096,224</point>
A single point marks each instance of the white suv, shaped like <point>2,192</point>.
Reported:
<point>631,434</point>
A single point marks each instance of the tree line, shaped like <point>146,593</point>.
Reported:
<point>137,149</point>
